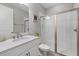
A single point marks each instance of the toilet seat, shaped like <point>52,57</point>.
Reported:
<point>44,47</point>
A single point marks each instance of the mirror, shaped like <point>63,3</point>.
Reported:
<point>14,18</point>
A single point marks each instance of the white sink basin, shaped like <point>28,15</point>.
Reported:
<point>24,38</point>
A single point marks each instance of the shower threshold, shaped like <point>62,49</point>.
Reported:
<point>52,53</point>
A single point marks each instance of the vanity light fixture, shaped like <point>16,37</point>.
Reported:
<point>47,17</point>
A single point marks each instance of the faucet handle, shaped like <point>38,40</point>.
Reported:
<point>13,37</point>
<point>20,35</point>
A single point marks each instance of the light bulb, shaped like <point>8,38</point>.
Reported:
<point>47,17</point>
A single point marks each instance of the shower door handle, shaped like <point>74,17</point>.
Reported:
<point>75,30</point>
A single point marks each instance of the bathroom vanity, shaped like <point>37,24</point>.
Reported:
<point>25,46</point>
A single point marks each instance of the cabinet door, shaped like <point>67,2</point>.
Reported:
<point>25,53</point>
<point>15,51</point>
<point>34,51</point>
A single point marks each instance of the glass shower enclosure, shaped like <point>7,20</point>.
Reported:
<point>60,32</point>
<point>67,33</point>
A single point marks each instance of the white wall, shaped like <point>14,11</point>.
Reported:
<point>76,5</point>
<point>60,8</point>
<point>6,22</point>
<point>35,9</point>
<point>19,19</point>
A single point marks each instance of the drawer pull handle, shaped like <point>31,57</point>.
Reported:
<point>28,54</point>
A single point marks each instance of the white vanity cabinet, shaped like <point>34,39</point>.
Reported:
<point>34,51</point>
<point>27,49</point>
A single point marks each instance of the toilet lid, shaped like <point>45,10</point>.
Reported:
<point>44,46</point>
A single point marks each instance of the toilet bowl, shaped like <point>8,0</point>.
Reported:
<point>44,49</point>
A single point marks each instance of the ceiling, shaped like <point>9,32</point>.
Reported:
<point>16,5</point>
<point>48,5</point>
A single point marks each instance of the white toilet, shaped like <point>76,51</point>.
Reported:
<point>43,48</point>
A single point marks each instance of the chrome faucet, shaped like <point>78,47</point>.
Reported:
<point>18,35</point>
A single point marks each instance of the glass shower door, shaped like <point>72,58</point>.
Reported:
<point>66,33</point>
